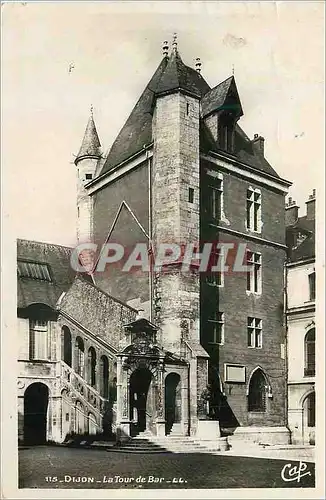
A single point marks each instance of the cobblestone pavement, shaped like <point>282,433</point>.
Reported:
<point>60,467</point>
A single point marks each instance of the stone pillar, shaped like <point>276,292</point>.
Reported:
<point>87,365</point>
<point>184,402</point>
<point>73,352</point>
<point>97,372</point>
<point>123,421</point>
<point>160,401</point>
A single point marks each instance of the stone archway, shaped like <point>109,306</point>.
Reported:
<point>140,381</point>
<point>36,400</point>
<point>172,401</point>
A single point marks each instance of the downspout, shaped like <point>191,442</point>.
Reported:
<point>285,322</point>
<point>150,273</point>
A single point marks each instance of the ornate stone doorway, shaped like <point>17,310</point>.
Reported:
<point>172,401</point>
<point>140,410</point>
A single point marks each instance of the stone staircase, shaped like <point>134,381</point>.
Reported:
<point>145,442</point>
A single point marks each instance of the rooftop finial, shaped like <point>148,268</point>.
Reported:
<point>198,64</point>
<point>232,69</point>
<point>92,109</point>
<point>165,48</point>
<point>175,42</point>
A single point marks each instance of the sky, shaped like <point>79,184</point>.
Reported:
<point>58,59</point>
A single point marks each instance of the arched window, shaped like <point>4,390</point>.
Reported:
<point>66,347</point>
<point>257,392</point>
<point>309,348</point>
<point>80,356</point>
<point>310,404</point>
<point>104,377</point>
<point>91,366</point>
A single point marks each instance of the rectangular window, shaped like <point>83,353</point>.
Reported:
<point>216,328</point>
<point>38,339</point>
<point>215,200</point>
<point>191,193</point>
<point>33,270</point>
<point>254,275</point>
<point>254,209</point>
<point>312,286</point>
<point>88,177</point>
<point>254,329</point>
<point>215,276</point>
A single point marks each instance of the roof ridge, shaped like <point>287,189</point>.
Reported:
<point>44,243</point>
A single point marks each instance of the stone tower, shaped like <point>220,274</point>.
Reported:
<point>175,200</point>
<point>86,162</point>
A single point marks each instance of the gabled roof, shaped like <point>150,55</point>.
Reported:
<point>223,96</point>
<point>91,145</point>
<point>243,149</point>
<point>173,74</point>
<point>137,131</point>
<point>41,291</point>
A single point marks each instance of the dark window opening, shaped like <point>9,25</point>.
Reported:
<point>187,108</point>
<point>215,200</point>
<point>310,354</point>
<point>215,328</point>
<point>226,132</point>
<point>191,193</point>
<point>88,177</point>
<point>311,412</point>
<point>312,286</point>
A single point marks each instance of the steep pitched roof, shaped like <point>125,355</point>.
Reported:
<point>91,145</point>
<point>179,76</point>
<point>224,95</point>
<point>243,149</point>
<point>171,75</point>
<point>55,260</point>
<point>137,131</point>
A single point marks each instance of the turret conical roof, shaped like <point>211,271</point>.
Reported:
<point>91,145</point>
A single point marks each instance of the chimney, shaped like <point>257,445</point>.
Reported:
<point>311,206</point>
<point>291,212</point>
<point>258,143</point>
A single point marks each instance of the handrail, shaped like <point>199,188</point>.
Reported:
<point>82,380</point>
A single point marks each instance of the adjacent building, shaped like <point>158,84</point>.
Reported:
<point>170,352</point>
<point>300,312</point>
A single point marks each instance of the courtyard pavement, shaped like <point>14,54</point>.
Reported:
<point>61,467</point>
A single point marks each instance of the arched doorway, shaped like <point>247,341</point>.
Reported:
<point>36,400</point>
<point>257,392</point>
<point>172,401</point>
<point>140,381</point>
<point>309,418</point>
